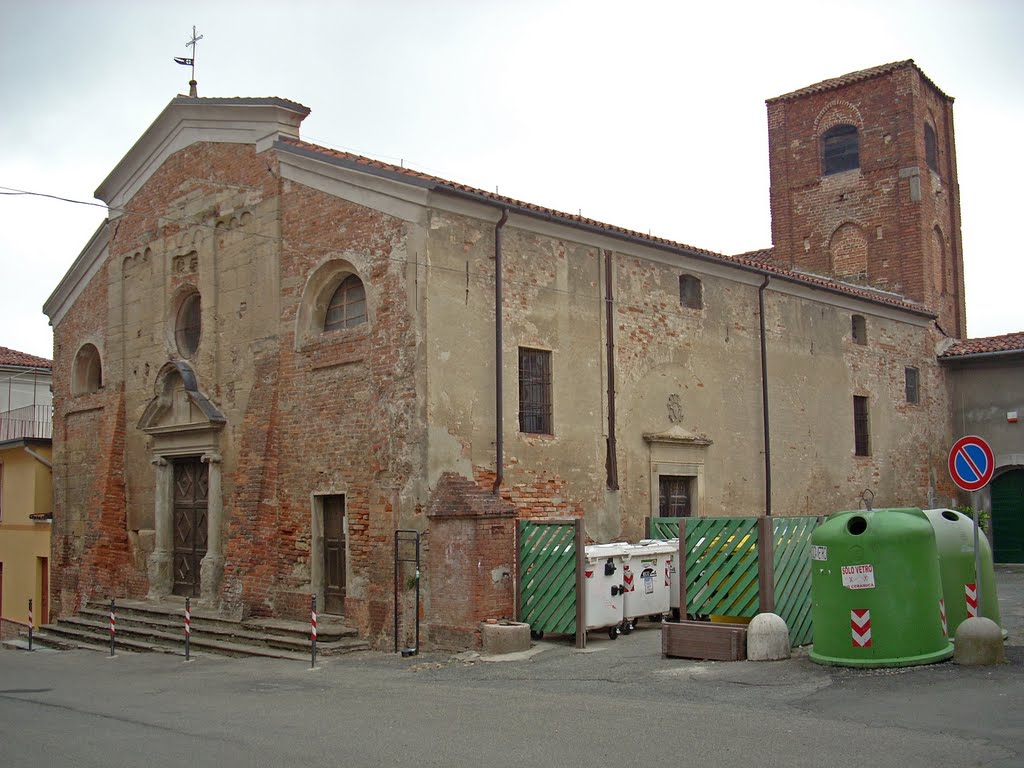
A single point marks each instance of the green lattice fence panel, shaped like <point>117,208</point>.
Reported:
<point>792,544</point>
<point>721,566</point>
<point>547,574</point>
<point>665,527</point>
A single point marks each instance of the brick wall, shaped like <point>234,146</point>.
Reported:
<point>471,562</point>
<point>886,214</point>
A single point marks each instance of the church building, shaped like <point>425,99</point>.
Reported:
<point>270,353</point>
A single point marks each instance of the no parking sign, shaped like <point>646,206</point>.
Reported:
<point>971,463</point>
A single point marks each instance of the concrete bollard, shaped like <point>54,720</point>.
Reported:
<point>767,638</point>
<point>979,642</point>
<point>504,637</point>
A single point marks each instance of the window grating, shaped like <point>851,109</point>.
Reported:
<point>674,494</point>
<point>912,385</point>
<point>347,307</point>
<point>535,391</point>
<point>861,432</point>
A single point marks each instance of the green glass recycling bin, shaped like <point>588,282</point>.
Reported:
<point>954,537</point>
<point>876,590</point>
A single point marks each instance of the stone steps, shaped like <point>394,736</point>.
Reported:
<point>159,627</point>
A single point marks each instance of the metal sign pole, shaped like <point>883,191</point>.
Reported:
<point>312,630</point>
<point>113,622</point>
<point>975,500</point>
<point>188,626</point>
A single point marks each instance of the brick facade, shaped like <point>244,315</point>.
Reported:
<point>397,416</point>
<point>893,222</point>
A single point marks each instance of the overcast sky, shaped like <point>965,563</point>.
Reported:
<point>648,115</point>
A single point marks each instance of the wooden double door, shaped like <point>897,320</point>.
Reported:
<point>191,529</point>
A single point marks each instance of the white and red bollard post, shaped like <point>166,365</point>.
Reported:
<point>113,623</point>
<point>30,623</point>
<point>312,630</point>
<point>188,626</point>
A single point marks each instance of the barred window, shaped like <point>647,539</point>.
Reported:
<point>674,496</point>
<point>347,307</point>
<point>861,427</point>
<point>912,385</point>
<point>535,391</point>
<point>840,149</point>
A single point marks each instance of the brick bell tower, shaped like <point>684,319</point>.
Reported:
<point>864,186</point>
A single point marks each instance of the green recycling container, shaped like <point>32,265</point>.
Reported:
<point>876,590</point>
<point>954,536</point>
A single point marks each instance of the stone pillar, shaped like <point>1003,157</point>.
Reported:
<point>160,563</point>
<point>211,569</point>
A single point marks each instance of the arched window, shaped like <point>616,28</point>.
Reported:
<point>87,372</point>
<point>347,307</point>
<point>691,292</point>
<point>840,149</point>
<point>931,148</point>
<point>188,325</point>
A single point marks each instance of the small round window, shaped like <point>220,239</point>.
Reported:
<point>188,326</point>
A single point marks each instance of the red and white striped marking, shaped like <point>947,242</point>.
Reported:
<point>668,578</point>
<point>113,621</point>
<point>971,593</point>
<point>860,627</point>
<point>31,624</point>
<point>312,627</point>
<point>627,579</point>
<point>942,614</point>
<point>188,621</point>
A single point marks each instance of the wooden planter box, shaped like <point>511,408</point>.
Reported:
<point>704,640</point>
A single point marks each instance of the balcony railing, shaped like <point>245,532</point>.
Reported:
<point>29,421</point>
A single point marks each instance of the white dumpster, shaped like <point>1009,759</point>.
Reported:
<point>602,596</point>
<point>646,578</point>
<point>673,575</point>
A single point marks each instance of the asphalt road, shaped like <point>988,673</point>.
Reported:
<point>618,703</point>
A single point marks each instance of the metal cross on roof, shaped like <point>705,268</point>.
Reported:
<point>190,61</point>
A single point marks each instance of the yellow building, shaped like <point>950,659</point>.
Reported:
<point>26,490</point>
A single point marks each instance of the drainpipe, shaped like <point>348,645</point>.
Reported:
<point>499,359</point>
<point>612,461</point>
<point>764,402</point>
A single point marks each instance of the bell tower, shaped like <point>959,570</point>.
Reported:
<point>864,186</point>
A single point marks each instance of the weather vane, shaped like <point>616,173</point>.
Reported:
<point>191,62</point>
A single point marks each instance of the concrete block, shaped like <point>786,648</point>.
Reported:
<point>979,642</point>
<point>767,638</point>
<point>505,637</point>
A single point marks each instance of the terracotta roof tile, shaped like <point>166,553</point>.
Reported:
<point>1008,342</point>
<point>856,77</point>
<point>757,260</point>
<point>13,358</point>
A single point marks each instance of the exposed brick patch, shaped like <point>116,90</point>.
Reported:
<point>471,562</point>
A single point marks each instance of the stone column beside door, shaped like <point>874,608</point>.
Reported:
<point>160,564</point>
<point>211,569</point>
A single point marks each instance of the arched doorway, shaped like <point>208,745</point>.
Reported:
<point>1008,517</point>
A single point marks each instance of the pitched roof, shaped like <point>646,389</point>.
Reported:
<point>759,261</point>
<point>857,77</point>
<point>15,359</point>
<point>988,345</point>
